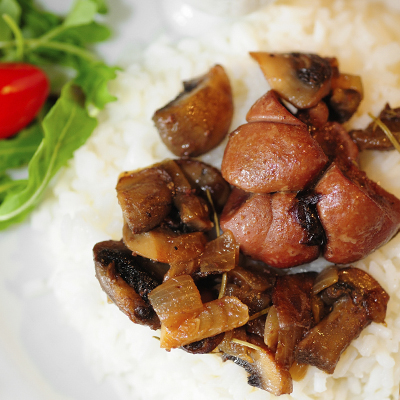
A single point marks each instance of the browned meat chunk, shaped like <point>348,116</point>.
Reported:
<point>265,157</point>
<point>127,280</point>
<point>373,137</point>
<point>267,229</point>
<point>336,143</point>
<point>358,216</point>
<point>269,108</point>
<point>301,79</point>
<point>145,197</point>
<point>199,118</point>
<point>316,116</point>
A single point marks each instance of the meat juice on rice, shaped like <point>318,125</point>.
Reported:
<point>81,208</point>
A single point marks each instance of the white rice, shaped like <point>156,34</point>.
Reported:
<point>81,207</point>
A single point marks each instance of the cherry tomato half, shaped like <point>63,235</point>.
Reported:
<point>23,91</point>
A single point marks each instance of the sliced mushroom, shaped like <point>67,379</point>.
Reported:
<point>204,177</point>
<point>198,119</point>
<point>265,157</point>
<point>366,292</point>
<point>301,79</point>
<point>127,280</point>
<point>345,98</point>
<point>357,299</point>
<point>267,229</point>
<point>373,137</point>
<point>358,215</point>
<point>259,362</point>
<point>324,344</point>
<point>193,209</point>
<point>145,197</point>
<point>164,245</point>
<point>204,346</point>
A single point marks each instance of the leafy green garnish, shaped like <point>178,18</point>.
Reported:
<point>30,34</point>
<point>73,126</point>
<point>18,151</point>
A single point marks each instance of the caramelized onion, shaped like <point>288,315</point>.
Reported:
<point>327,277</point>
<point>292,300</point>
<point>186,267</point>
<point>298,371</point>
<point>242,276</point>
<point>271,332</point>
<point>217,316</point>
<point>176,299</point>
<point>220,255</point>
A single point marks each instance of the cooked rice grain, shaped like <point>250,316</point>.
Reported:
<point>81,208</point>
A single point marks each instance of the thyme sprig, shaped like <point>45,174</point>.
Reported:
<point>386,130</point>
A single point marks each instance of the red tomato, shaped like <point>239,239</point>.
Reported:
<point>23,91</point>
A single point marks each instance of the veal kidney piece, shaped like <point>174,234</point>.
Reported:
<point>267,228</point>
<point>358,216</point>
<point>265,157</point>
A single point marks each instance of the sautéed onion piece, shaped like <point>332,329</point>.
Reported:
<point>172,264</point>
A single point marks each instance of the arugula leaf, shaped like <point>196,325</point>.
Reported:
<point>66,127</point>
<point>93,79</point>
<point>18,150</point>
<point>82,13</point>
<point>36,36</point>
<point>7,184</point>
<point>36,22</point>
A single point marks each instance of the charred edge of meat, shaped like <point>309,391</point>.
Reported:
<point>204,346</point>
<point>130,268</point>
<point>305,212</point>
<point>311,69</point>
